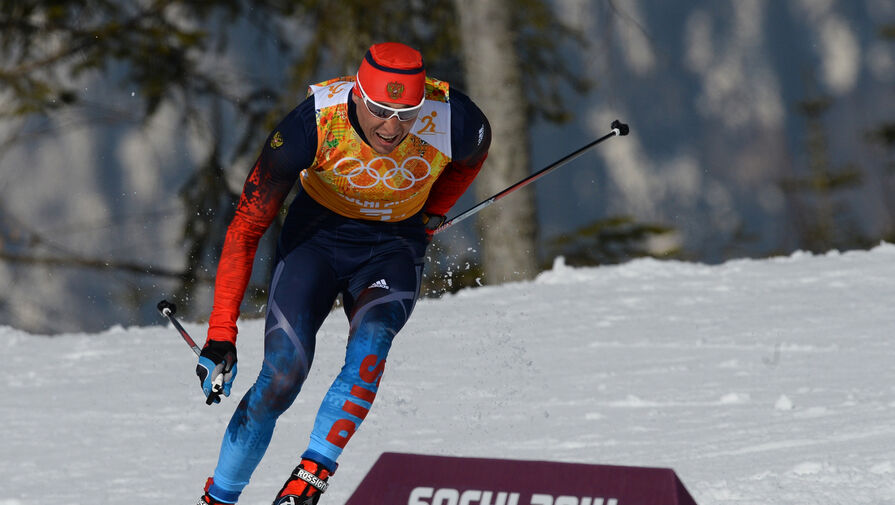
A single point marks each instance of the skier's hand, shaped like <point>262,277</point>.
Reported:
<point>216,369</point>
<point>432,222</point>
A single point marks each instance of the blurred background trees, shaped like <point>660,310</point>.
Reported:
<point>126,129</point>
<point>166,50</point>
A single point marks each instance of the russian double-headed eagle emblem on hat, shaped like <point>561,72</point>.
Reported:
<point>395,90</point>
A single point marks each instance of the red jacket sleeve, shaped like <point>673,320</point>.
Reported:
<point>451,185</point>
<point>288,149</point>
<point>470,141</point>
<point>261,199</point>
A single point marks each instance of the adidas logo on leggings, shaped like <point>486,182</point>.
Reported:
<point>379,284</point>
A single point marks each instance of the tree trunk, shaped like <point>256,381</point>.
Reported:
<point>509,228</point>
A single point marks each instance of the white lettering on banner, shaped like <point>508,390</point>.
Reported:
<point>546,499</point>
<point>450,496</point>
<point>417,495</point>
<point>446,496</point>
<point>470,496</point>
<point>503,498</point>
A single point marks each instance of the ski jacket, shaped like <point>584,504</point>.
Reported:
<point>320,142</point>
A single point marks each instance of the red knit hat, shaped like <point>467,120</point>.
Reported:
<point>393,73</point>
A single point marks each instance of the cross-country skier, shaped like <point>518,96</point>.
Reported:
<point>381,157</point>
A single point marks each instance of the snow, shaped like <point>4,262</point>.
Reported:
<point>757,381</point>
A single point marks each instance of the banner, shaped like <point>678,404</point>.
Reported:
<point>415,479</point>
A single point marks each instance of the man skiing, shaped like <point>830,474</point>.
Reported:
<point>381,157</point>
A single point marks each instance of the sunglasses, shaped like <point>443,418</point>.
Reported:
<point>382,112</point>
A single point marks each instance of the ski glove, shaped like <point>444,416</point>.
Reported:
<point>432,222</point>
<point>216,369</point>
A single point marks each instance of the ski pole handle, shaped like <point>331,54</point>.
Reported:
<point>168,310</point>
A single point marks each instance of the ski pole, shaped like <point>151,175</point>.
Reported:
<point>617,129</point>
<point>168,309</point>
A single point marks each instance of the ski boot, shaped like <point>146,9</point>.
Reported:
<point>206,499</point>
<point>305,486</point>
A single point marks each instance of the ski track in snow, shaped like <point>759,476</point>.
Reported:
<point>759,382</point>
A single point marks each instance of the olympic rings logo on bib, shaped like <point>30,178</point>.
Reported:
<point>396,178</point>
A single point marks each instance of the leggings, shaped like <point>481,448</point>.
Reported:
<point>377,268</point>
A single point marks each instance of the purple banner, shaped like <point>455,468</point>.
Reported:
<point>414,479</point>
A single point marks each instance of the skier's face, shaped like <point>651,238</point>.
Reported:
<point>382,134</point>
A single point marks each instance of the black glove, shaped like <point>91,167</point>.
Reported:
<point>432,222</point>
<point>216,369</point>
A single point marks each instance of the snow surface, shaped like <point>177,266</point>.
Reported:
<point>759,382</point>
